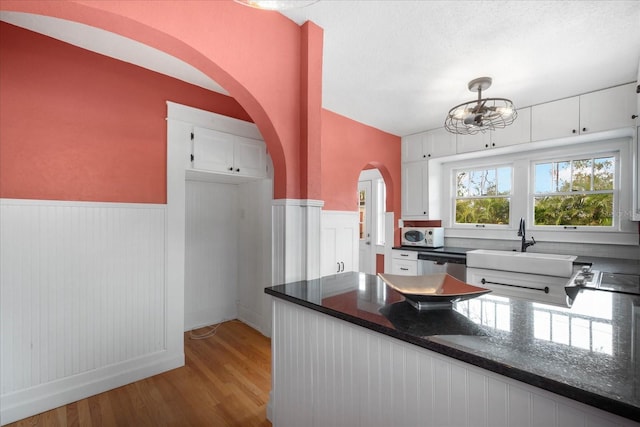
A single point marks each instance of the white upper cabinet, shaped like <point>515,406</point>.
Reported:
<point>221,152</point>
<point>608,109</point>
<point>518,132</point>
<point>477,142</point>
<point>598,111</point>
<point>555,119</point>
<point>250,157</point>
<point>429,144</point>
<point>415,189</point>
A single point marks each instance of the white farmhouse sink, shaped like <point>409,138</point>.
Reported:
<point>522,262</point>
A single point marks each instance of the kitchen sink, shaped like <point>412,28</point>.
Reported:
<point>522,262</point>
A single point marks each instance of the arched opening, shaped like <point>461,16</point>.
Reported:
<point>375,216</point>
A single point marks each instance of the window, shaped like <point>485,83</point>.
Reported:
<point>572,192</point>
<point>575,193</point>
<point>483,196</point>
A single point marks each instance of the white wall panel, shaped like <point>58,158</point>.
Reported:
<point>327,372</point>
<point>82,288</point>
<point>211,253</point>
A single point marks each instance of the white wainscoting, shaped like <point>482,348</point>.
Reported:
<point>83,301</point>
<point>327,372</point>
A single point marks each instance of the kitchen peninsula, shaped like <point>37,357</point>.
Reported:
<point>348,350</point>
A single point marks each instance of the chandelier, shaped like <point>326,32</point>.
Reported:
<point>482,114</point>
<point>276,4</point>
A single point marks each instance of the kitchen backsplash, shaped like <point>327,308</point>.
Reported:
<point>580,249</point>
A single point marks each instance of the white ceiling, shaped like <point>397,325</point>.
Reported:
<point>400,65</point>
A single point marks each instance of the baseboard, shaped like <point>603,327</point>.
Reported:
<point>25,403</point>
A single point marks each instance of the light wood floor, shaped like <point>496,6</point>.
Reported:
<point>225,382</point>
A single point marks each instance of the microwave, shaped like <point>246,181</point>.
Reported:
<point>428,237</point>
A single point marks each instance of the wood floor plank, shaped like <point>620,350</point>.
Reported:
<point>225,383</point>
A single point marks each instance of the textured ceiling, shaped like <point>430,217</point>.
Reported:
<point>400,65</point>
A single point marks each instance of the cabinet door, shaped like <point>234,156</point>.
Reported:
<point>518,132</point>
<point>608,109</point>
<point>556,119</point>
<point>477,142</point>
<point>636,180</point>
<point>415,189</point>
<point>412,147</point>
<point>212,150</point>
<point>250,157</point>
<point>338,243</point>
<point>438,143</point>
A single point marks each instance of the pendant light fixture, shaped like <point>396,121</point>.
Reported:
<point>276,4</point>
<point>482,114</point>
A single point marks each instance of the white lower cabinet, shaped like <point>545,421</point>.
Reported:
<point>339,242</point>
<point>405,263</point>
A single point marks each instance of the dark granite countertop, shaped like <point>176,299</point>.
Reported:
<point>589,352</point>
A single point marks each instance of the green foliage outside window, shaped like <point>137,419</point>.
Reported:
<point>483,196</point>
<point>574,192</point>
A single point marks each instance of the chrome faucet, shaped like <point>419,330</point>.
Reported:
<point>525,243</point>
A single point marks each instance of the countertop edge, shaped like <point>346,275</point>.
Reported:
<point>430,343</point>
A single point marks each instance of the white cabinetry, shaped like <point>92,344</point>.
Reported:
<point>222,152</point>
<point>608,109</point>
<point>636,179</point>
<point>518,132</point>
<point>416,151</point>
<point>598,111</point>
<point>339,242</point>
<point>415,189</point>
<point>405,263</point>
<point>425,145</point>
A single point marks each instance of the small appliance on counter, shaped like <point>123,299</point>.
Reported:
<point>427,237</point>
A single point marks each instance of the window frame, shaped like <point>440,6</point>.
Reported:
<point>615,192</point>
<point>624,231</point>
<point>454,198</point>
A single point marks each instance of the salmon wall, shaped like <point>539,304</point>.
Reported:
<point>253,54</point>
<point>76,125</point>
<point>347,148</point>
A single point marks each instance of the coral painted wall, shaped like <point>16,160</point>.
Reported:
<point>254,55</point>
<point>76,125</point>
<point>347,148</point>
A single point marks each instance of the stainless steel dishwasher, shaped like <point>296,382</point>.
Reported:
<point>453,264</point>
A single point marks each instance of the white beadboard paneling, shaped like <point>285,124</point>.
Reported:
<point>327,372</point>
<point>211,247</point>
<point>82,288</point>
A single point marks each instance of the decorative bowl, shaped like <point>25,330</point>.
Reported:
<point>432,291</point>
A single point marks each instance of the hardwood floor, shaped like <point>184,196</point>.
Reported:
<point>225,382</point>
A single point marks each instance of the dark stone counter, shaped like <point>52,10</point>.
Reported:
<point>589,352</point>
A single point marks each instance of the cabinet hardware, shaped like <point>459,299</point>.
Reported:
<point>238,170</point>
<point>404,269</point>
<point>192,158</point>
<point>573,131</point>
<point>338,270</point>
<point>545,289</point>
<point>404,254</point>
<point>634,116</point>
<point>479,225</point>
<point>342,265</point>
<point>567,227</point>
<point>192,136</point>
<point>584,129</point>
<point>231,169</point>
